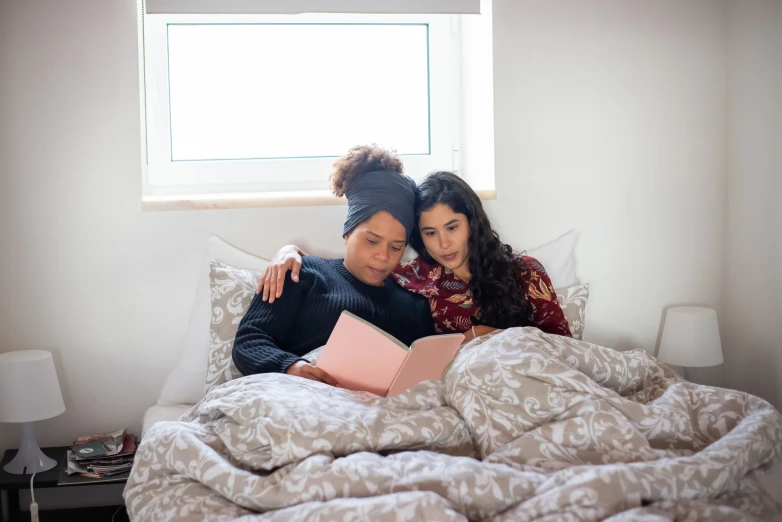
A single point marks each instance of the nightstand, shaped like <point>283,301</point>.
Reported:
<point>54,478</point>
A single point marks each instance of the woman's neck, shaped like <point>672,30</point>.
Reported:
<point>462,273</point>
<point>347,268</point>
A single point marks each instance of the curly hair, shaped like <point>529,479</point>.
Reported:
<point>360,160</point>
<point>495,283</point>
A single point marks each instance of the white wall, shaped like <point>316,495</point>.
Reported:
<point>610,120</point>
<point>753,300</point>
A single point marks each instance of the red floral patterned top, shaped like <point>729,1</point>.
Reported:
<point>451,301</point>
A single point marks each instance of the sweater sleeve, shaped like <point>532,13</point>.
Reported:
<point>266,327</point>
<point>409,275</point>
<point>549,316</point>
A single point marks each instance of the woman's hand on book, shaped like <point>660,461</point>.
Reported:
<point>273,278</point>
<point>313,373</point>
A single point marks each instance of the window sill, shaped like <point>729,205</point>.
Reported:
<point>253,200</point>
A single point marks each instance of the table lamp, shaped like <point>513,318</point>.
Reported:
<point>29,392</point>
<point>691,339</point>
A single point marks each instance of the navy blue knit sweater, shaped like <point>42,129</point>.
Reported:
<point>271,337</point>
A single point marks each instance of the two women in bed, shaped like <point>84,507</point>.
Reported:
<point>474,283</point>
<point>381,218</point>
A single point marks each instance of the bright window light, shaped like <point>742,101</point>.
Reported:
<point>275,91</point>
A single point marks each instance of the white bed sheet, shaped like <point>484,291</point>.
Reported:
<point>158,413</point>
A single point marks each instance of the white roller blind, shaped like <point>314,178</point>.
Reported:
<point>312,6</point>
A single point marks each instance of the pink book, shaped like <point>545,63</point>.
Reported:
<point>363,357</point>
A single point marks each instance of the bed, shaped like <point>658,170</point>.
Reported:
<point>158,413</point>
<point>215,448</point>
<point>523,426</point>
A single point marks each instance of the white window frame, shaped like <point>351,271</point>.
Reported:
<point>163,178</point>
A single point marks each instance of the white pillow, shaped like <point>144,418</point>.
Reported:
<point>185,383</point>
<point>559,260</point>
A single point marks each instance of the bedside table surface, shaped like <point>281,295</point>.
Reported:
<point>46,479</point>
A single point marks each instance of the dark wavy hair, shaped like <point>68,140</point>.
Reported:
<point>495,281</point>
<point>360,160</point>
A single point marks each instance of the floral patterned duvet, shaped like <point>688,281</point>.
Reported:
<point>523,426</point>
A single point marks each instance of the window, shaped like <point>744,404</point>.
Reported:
<point>249,104</point>
<point>314,92</point>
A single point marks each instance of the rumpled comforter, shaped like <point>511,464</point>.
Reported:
<point>523,426</point>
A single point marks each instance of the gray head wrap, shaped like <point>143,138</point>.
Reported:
<point>374,192</point>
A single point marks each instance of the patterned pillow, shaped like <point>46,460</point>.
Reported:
<point>231,290</point>
<point>573,300</point>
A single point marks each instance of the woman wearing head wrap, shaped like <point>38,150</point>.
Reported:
<point>381,217</point>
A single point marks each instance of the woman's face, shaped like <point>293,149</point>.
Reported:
<point>446,235</point>
<point>374,248</point>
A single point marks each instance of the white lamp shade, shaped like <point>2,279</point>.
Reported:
<point>691,337</point>
<point>29,389</point>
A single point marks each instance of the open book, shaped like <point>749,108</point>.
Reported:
<point>363,357</point>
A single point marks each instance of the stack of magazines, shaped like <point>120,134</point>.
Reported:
<point>101,456</point>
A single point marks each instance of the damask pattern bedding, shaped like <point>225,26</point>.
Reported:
<point>523,426</point>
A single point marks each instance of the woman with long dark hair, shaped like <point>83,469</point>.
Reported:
<point>469,275</point>
<point>474,282</point>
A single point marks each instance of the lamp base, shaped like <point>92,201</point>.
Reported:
<point>689,373</point>
<point>29,459</point>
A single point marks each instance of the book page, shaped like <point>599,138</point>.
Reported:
<point>361,357</point>
<point>427,360</point>
<point>379,330</point>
